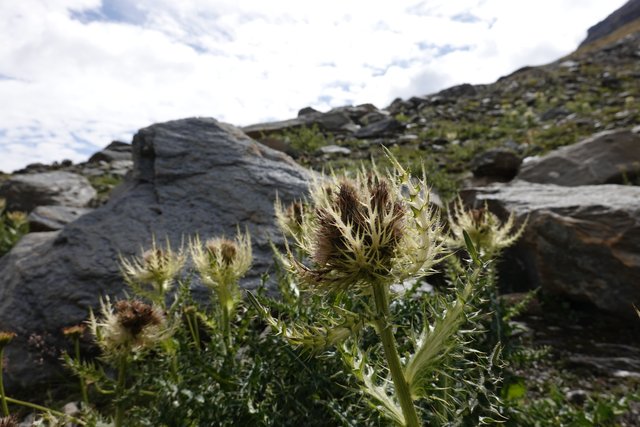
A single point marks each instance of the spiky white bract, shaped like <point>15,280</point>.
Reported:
<point>153,272</point>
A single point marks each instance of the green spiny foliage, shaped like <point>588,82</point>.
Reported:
<point>13,225</point>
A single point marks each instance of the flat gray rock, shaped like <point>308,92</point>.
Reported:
<point>52,218</point>
<point>610,157</point>
<point>27,192</point>
<point>580,242</point>
<point>191,176</point>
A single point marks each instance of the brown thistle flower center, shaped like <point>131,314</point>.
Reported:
<point>9,421</point>
<point>380,215</point>
<point>136,315</point>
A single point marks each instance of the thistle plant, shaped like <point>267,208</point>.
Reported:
<point>124,332</point>
<point>221,263</point>
<point>489,236</point>
<point>152,274</point>
<point>358,237</point>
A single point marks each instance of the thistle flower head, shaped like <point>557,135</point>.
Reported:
<point>222,260</point>
<point>9,421</point>
<point>128,326</point>
<point>291,218</point>
<point>371,228</point>
<point>6,337</point>
<point>152,274</point>
<point>221,263</point>
<point>485,229</point>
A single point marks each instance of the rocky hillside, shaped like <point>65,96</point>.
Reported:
<point>527,113</point>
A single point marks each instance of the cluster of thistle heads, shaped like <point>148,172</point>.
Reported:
<point>133,325</point>
<point>380,228</point>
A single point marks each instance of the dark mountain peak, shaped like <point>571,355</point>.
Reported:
<point>621,20</point>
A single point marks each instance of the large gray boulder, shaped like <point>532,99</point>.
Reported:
<point>191,176</point>
<point>27,192</point>
<point>580,242</point>
<point>610,157</point>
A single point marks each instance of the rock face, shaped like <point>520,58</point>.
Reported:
<point>52,218</point>
<point>629,12</point>
<point>497,164</point>
<point>580,242</point>
<point>26,192</point>
<point>191,176</point>
<point>610,157</point>
<point>113,152</point>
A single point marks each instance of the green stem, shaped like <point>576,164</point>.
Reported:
<point>384,329</point>
<point>83,385</point>
<point>45,409</point>
<point>192,322</point>
<point>5,408</point>
<point>122,372</point>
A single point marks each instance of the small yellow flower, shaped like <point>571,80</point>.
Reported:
<point>129,326</point>
<point>75,331</point>
<point>485,229</point>
<point>152,274</point>
<point>6,338</point>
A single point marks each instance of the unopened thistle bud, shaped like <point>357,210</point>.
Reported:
<point>485,229</point>
<point>220,261</point>
<point>129,326</point>
<point>292,218</point>
<point>151,275</point>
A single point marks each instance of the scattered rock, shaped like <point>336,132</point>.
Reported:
<point>497,164</point>
<point>385,127</point>
<point>52,218</point>
<point>610,157</point>
<point>334,150</point>
<point>115,151</point>
<point>27,192</point>
<point>191,176</point>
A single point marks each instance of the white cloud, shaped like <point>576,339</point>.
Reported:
<point>92,71</point>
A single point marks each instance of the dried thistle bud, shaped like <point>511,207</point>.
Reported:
<point>221,260</point>
<point>6,338</point>
<point>129,326</point>
<point>292,218</point>
<point>75,331</point>
<point>152,274</point>
<point>485,229</point>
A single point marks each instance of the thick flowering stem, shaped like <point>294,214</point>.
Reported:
<point>120,386</point>
<point>385,330</point>
<point>3,398</point>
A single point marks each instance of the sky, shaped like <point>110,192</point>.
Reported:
<point>78,74</point>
